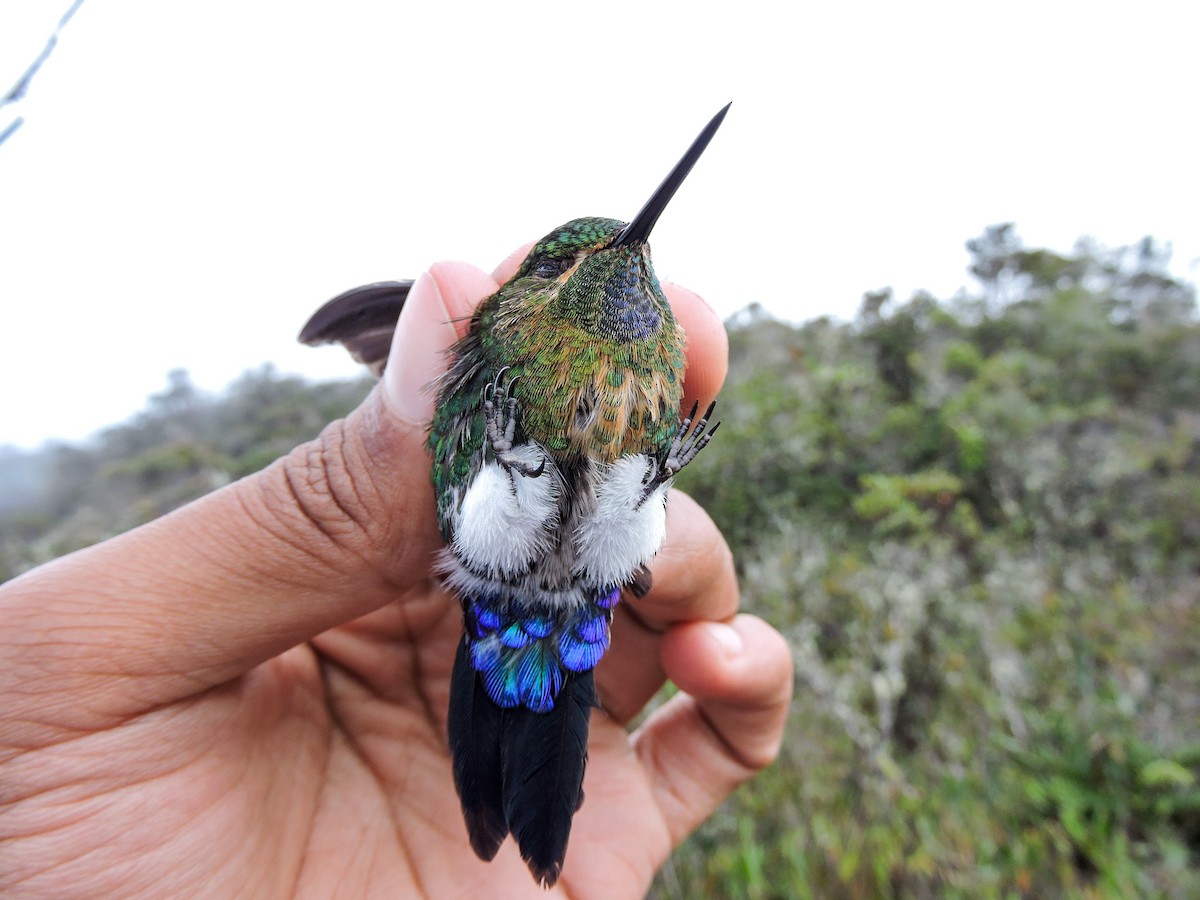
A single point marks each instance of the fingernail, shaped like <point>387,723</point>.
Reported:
<point>726,636</point>
<point>418,355</point>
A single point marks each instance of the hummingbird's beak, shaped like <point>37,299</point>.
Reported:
<point>639,229</point>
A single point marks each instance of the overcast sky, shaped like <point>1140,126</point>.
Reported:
<point>191,180</point>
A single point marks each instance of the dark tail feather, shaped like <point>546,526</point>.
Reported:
<point>544,758</point>
<point>640,582</point>
<point>474,726</point>
<point>362,320</point>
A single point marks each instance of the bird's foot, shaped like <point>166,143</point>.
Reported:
<point>689,441</point>
<point>500,412</point>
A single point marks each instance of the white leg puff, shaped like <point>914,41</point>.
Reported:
<point>507,519</point>
<point>622,535</point>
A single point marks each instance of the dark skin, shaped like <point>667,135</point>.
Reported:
<point>248,697</point>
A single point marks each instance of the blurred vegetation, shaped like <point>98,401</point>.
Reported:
<point>977,521</point>
<point>184,444</point>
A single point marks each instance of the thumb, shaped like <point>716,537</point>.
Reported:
<point>337,528</point>
<point>436,314</point>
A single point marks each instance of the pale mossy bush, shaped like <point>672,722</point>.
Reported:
<point>978,524</point>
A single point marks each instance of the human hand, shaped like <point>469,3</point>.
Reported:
<point>248,697</point>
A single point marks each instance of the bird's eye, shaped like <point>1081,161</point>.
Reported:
<point>550,268</point>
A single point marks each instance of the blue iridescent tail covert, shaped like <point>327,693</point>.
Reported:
<point>524,655</point>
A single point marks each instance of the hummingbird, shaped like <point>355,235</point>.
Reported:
<point>555,438</point>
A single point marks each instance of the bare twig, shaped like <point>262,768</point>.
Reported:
<point>18,90</point>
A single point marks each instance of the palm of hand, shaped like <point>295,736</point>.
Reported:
<point>325,770</point>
